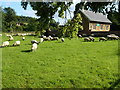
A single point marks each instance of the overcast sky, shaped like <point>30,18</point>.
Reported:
<point>16,5</point>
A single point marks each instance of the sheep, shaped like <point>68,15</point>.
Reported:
<point>115,38</point>
<point>5,44</point>
<point>41,40</point>
<point>91,38</point>
<point>46,39</point>
<point>80,36</point>
<point>11,38</point>
<point>34,47</point>
<point>0,34</point>
<point>23,38</point>
<point>112,37</point>
<point>102,39</point>
<point>86,39</point>
<point>44,36</point>
<point>62,39</point>
<point>55,38</point>
<point>9,35</point>
<point>50,37</point>
<point>34,41</point>
<point>17,43</point>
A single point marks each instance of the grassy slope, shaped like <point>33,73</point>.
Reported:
<point>73,63</point>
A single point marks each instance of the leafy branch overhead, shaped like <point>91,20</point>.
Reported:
<point>46,10</point>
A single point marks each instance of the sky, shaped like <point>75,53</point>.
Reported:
<point>16,5</point>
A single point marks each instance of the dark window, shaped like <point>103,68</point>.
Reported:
<point>101,27</point>
<point>94,26</point>
<point>107,27</point>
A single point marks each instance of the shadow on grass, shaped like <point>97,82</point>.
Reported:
<point>26,51</point>
<point>117,82</point>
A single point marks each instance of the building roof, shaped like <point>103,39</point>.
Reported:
<point>97,17</point>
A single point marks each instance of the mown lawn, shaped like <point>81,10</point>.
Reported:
<point>72,64</point>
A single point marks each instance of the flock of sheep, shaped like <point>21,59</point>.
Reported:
<point>33,42</point>
<point>50,38</point>
<point>109,37</point>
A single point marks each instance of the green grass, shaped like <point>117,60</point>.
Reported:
<point>72,64</point>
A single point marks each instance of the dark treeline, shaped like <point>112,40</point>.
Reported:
<point>13,23</point>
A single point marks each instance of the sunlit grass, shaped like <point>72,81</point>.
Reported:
<point>71,64</point>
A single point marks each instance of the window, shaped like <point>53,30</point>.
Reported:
<point>101,27</point>
<point>97,24</point>
<point>90,26</point>
<point>107,27</point>
<point>94,26</point>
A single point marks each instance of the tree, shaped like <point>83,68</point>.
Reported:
<point>1,19</point>
<point>72,27</point>
<point>100,7</point>
<point>9,19</point>
<point>46,10</point>
<point>10,14</point>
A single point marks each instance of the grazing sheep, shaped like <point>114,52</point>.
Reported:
<point>9,35</point>
<point>50,37</point>
<point>86,39</point>
<point>80,36</point>
<point>41,40</point>
<point>91,38</point>
<point>112,37</point>
<point>0,34</point>
<point>55,38</point>
<point>62,39</point>
<point>102,39</point>
<point>5,44</point>
<point>34,47</point>
<point>11,38</point>
<point>17,43</point>
<point>46,39</point>
<point>34,41</point>
<point>23,38</point>
<point>115,38</point>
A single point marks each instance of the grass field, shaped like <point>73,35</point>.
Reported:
<point>72,64</point>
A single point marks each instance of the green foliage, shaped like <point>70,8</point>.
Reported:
<point>72,64</point>
<point>110,8</point>
<point>46,10</point>
<point>72,26</point>
<point>10,14</point>
<point>37,33</point>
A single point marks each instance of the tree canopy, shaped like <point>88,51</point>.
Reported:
<point>46,10</point>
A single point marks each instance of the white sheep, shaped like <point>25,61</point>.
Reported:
<point>34,47</point>
<point>91,38</point>
<point>23,38</point>
<point>17,43</point>
<point>62,39</point>
<point>11,38</point>
<point>6,43</point>
<point>9,35</point>
<point>102,39</point>
<point>41,40</point>
<point>34,41</point>
<point>86,39</point>
<point>50,37</point>
<point>44,36</point>
<point>0,34</point>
